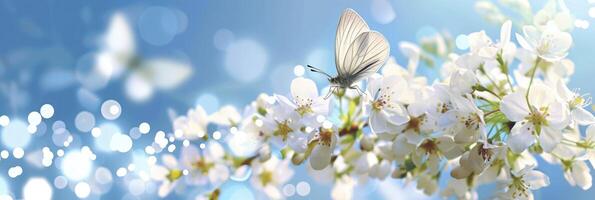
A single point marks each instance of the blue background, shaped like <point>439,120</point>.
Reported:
<point>38,37</point>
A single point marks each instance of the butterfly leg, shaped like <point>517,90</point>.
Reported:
<point>358,89</point>
<point>331,90</point>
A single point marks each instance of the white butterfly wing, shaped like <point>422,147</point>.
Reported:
<point>351,25</point>
<point>165,74</point>
<point>118,47</point>
<point>119,38</point>
<point>365,55</point>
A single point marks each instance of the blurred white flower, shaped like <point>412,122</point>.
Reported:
<point>459,189</point>
<point>554,12</point>
<point>193,125</point>
<point>226,116</point>
<point>588,144</point>
<point>550,43</point>
<point>169,174</point>
<point>271,175</point>
<point>343,188</point>
<point>427,184</point>
<point>206,166</point>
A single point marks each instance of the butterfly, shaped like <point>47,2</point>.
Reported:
<point>118,56</point>
<point>359,52</point>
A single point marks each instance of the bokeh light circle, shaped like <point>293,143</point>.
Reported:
<point>16,134</point>
<point>60,182</point>
<point>236,191</point>
<point>121,143</point>
<point>104,137</point>
<point>4,120</point>
<point>303,188</point>
<point>34,118</point>
<point>245,60</point>
<point>60,137</point>
<point>158,25</point>
<point>208,101</point>
<point>289,190</point>
<point>47,111</point>
<point>111,109</point>
<point>462,42</point>
<point>76,166</point>
<point>382,11</point>
<point>222,39</point>
<point>103,175</point>
<point>84,121</point>
<point>37,188</point>
<point>82,190</point>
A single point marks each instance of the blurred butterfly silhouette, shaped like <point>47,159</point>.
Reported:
<point>118,55</point>
<point>359,52</point>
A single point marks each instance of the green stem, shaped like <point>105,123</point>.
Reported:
<point>533,70</point>
<point>509,83</point>
<point>491,112</point>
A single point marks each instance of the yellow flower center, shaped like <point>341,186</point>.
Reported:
<point>283,129</point>
<point>538,118</point>
<point>325,137</point>
<point>304,105</point>
<point>266,177</point>
<point>203,166</point>
<point>415,123</point>
<point>576,102</point>
<point>519,188</point>
<point>429,146</point>
<point>174,174</point>
<point>471,121</point>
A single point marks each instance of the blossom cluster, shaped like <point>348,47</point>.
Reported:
<point>494,110</point>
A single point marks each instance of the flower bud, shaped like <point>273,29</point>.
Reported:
<point>298,158</point>
<point>264,153</point>
<point>367,143</point>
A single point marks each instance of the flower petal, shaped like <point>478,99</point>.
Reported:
<point>303,88</point>
<point>396,115</point>
<point>520,138</point>
<point>581,175</point>
<point>505,32</point>
<point>378,123</point>
<point>582,116</point>
<point>524,42</point>
<point>536,179</point>
<point>298,141</point>
<point>549,138</point>
<point>514,106</point>
<point>320,157</point>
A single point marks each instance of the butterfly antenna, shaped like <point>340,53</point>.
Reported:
<point>317,70</point>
